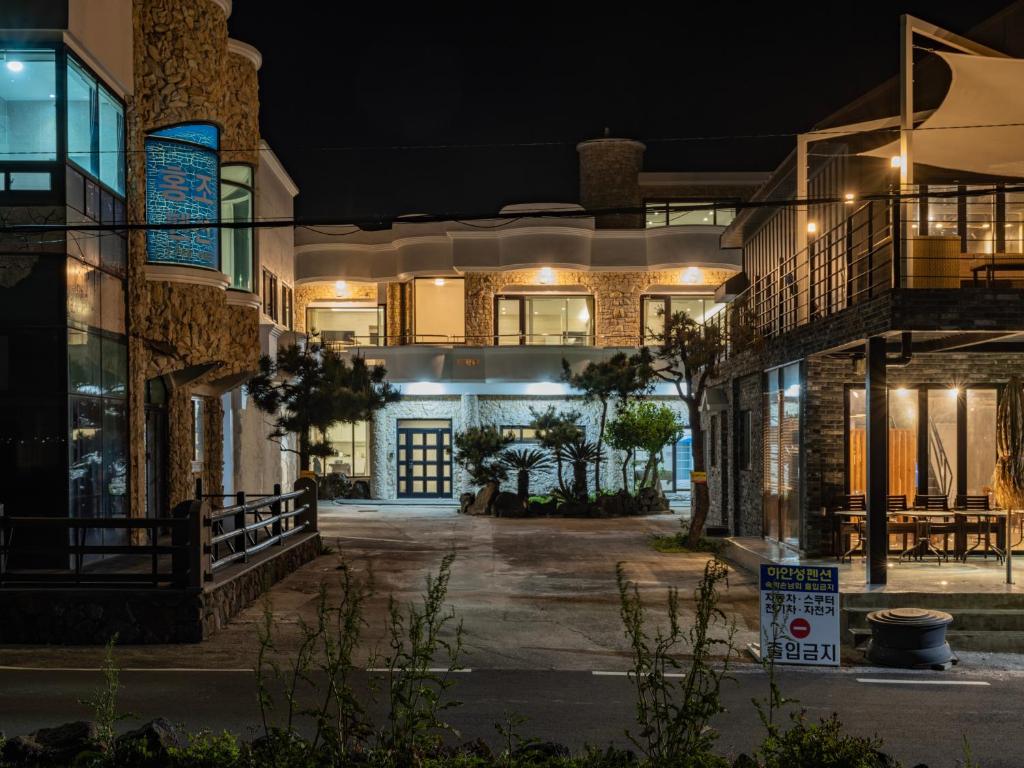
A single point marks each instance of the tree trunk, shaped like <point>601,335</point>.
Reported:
<point>304,450</point>
<point>579,477</point>
<point>523,485</point>
<point>625,470</point>
<point>701,499</point>
<point>600,443</point>
<point>558,464</point>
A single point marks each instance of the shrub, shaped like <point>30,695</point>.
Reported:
<point>820,745</point>
<point>478,451</point>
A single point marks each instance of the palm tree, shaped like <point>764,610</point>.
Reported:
<point>524,461</point>
<point>580,453</point>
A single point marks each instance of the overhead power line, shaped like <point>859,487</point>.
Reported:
<point>371,223</point>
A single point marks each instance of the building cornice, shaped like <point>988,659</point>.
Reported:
<point>225,5</point>
<point>274,164</point>
<point>246,51</point>
<point>243,299</point>
<point>170,273</point>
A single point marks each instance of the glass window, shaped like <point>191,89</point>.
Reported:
<point>95,128</point>
<point>439,305</point>
<point>521,434</point>
<point>86,470</point>
<point>347,325</point>
<point>23,181</point>
<point>781,482</point>
<point>1014,222</point>
<point>942,453</point>
<point>236,205</point>
<point>286,307</point>
<point>654,308</point>
<point>981,223</point>
<point>942,215</point>
<point>84,363</point>
<point>350,447</point>
<point>684,462</point>
<point>681,213</point>
<point>197,429</point>
<point>115,368</point>
<point>28,105</point>
<point>270,294</point>
<point>981,440</point>
<point>903,417</point>
<point>508,321</point>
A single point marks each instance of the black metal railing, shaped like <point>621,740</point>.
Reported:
<point>256,523</point>
<point>182,550</point>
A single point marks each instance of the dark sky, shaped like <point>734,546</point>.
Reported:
<point>341,86</point>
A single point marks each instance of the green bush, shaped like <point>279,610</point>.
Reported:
<point>820,745</point>
<point>208,750</point>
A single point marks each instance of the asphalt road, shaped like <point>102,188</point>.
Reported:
<point>921,717</point>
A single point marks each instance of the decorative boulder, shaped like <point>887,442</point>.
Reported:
<point>157,737</point>
<point>53,746</point>
<point>465,500</point>
<point>651,500</point>
<point>507,505</point>
<point>482,503</point>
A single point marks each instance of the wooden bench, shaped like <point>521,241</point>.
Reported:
<point>998,266</point>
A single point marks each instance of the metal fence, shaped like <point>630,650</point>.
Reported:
<point>183,550</point>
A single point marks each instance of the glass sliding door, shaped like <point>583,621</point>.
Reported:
<point>508,318</point>
<point>544,320</point>
<point>903,428</point>
<point>942,443</point>
<point>782,454</point>
<point>981,440</point>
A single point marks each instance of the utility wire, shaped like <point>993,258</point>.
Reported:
<point>372,223</point>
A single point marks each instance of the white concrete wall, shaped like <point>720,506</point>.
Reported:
<point>259,463</point>
<point>275,246</point>
<point>101,33</point>
<point>468,410</point>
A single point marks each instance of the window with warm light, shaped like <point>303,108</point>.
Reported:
<point>350,450</point>
<point>347,324</point>
<point>439,310</point>
<point>681,213</point>
<point>544,319</point>
<point>654,309</point>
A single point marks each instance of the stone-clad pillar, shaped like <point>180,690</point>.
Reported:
<point>609,178</point>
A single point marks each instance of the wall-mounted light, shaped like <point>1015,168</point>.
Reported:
<point>546,276</point>
<point>896,161</point>
<point>439,282</point>
<point>691,276</point>
<point>849,197</point>
<point>954,391</point>
<point>812,227</point>
<point>15,66</point>
<point>341,288</point>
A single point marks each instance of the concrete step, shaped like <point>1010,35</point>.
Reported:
<point>964,619</point>
<point>964,640</point>
<point>943,601</point>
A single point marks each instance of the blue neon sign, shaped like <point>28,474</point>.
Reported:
<point>183,186</point>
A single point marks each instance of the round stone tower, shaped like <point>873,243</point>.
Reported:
<point>609,178</point>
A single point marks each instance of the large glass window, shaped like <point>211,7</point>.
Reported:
<point>545,319</point>
<point>1014,226</point>
<point>680,213</point>
<point>980,224</point>
<point>350,446</point>
<point>942,447</point>
<point>236,201</point>
<point>903,428</point>
<point>653,310</point>
<point>782,454</point>
<point>942,211</point>
<point>439,305</point>
<point>347,324</point>
<point>28,105</point>
<point>981,440</point>
<point>95,128</point>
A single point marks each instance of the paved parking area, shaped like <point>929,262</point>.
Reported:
<point>533,594</point>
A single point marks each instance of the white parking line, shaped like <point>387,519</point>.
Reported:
<point>905,681</point>
<point>602,673</point>
<point>431,669</point>
<point>197,670</point>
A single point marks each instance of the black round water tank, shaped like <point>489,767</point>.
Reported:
<point>909,638</point>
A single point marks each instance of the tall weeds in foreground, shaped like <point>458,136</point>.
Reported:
<point>675,700</point>
<point>418,638</point>
<point>103,703</point>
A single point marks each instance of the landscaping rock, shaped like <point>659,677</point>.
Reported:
<point>651,500</point>
<point>507,505</point>
<point>542,750</point>
<point>465,500</point>
<point>157,736</point>
<point>23,750</point>
<point>482,503</point>
<point>57,746</point>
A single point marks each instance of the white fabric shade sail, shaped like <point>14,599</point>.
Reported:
<point>979,126</point>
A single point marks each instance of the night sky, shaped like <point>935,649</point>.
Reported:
<point>341,88</point>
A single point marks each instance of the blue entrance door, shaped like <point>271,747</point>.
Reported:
<point>424,459</point>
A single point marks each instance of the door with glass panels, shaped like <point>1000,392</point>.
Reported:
<point>424,459</point>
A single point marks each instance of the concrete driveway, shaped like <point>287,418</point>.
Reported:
<point>533,594</point>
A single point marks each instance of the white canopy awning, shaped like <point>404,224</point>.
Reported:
<point>979,126</point>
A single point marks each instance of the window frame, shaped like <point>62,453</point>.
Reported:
<point>517,431</point>
<point>62,82</point>
<point>287,306</point>
<point>198,433</point>
<point>522,298</point>
<point>253,232</point>
<point>268,293</point>
<point>666,302</point>
<point>665,206</point>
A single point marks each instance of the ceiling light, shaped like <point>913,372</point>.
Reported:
<point>439,282</point>
<point>15,66</point>
<point>896,161</point>
<point>341,288</point>
<point>547,276</point>
<point>691,276</point>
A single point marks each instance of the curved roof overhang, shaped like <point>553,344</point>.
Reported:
<point>520,248</point>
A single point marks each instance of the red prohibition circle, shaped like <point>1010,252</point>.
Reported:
<point>800,628</point>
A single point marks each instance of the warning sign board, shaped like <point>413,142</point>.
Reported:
<point>800,614</point>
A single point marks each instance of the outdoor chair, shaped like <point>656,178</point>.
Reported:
<point>932,502</point>
<point>847,528</point>
<point>901,526</point>
<point>982,529</point>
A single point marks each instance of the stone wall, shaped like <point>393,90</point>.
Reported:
<point>497,410</point>
<point>183,72</point>
<point>609,178</point>
<point>309,292</point>
<point>616,297</point>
